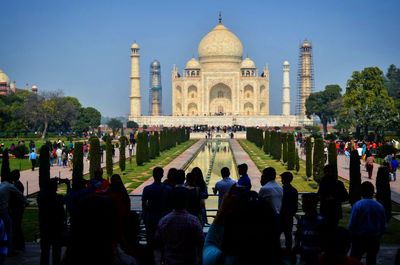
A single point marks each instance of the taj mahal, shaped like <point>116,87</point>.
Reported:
<point>219,88</point>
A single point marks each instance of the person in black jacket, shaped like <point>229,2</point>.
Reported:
<point>288,208</point>
<point>332,194</point>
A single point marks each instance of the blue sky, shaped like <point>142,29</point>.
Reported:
<point>83,47</point>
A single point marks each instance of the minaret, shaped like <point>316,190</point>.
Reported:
<point>135,82</point>
<point>155,94</point>
<point>286,89</point>
<point>305,77</point>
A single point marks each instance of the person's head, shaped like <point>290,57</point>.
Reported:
<point>191,179</point>
<point>268,174</point>
<point>171,176</point>
<point>115,179</point>
<point>242,168</point>
<point>15,175</point>
<point>199,177</point>
<point>225,172</point>
<point>367,190</point>
<point>52,185</point>
<point>330,172</point>
<point>179,198</point>
<point>309,203</point>
<point>286,177</point>
<point>180,177</point>
<point>336,242</point>
<point>158,173</point>
<point>98,173</point>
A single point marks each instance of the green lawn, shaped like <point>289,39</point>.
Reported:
<point>30,223</point>
<point>262,161</point>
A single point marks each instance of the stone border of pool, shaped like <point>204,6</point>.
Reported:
<point>180,163</point>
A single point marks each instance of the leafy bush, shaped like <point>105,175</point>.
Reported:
<point>109,158</point>
<point>318,160</point>
<point>309,147</point>
<point>122,157</point>
<point>94,156</point>
<point>291,160</point>
<point>77,169</point>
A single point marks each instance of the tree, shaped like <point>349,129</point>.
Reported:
<point>392,81</point>
<point>291,147</point>
<point>94,156</point>
<point>140,149</point>
<point>297,161</point>
<point>318,160</point>
<point>152,150</point>
<point>332,155</point>
<point>115,125</point>
<point>309,166</point>
<point>355,178</point>
<point>266,142</point>
<point>88,119</point>
<point>132,125</point>
<point>368,103</point>
<point>77,169</point>
<point>5,165</point>
<point>284,147</point>
<point>122,150</point>
<point>44,166</point>
<point>321,105</point>
<point>157,142</point>
<point>109,158</point>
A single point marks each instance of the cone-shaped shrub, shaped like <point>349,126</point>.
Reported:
<point>77,169</point>
<point>157,143</point>
<point>146,152</point>
<point>291,161</point>
<point>44,166</point>
<point>122,152</point>
<point>355,177</point>
<point>297,159</point>
<point>318,160</point>
<point>266,142</point>
<point>278,146</point>
<point>94,156</point>
<point>152,149</point>
<point>332,156</point>
<point>109,158</point>
<point>309,166</point>
<point>284,147</point>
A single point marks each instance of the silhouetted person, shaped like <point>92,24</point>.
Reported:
<point>332,194</point>
<point>17,208</point>
<point>51,222</point>
<point>309,229</point>
<point>99,184</point>
<point>201,184</point>
<point>367,225</point>
<point>154,204</point>
<point>270,190</point>
<point>171,177</point>
<point>383,191</point>
<point>244,179</point>
<point>244,231</point>
<point>336,244</point>
<point>179,233</point>
<point>222,186</point>
<point>194,197</point>
<point>288,208</point>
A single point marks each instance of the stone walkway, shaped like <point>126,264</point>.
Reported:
<point>30,178</point>
<point>242,157</point>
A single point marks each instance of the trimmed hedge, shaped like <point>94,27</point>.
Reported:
<point>77,169</point>
<point>109,158</point>
<point>332,156</point>
<point>94,156</point>
<point>318,160</point>
<point>291,161</point>
<point>44,166</point>
<point>122,151</point>
<point>309,164</point>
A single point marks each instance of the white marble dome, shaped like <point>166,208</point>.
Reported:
<point>4,78</point>
<point>220,42</point>
<point>248,63</point>
<point>193,64</point>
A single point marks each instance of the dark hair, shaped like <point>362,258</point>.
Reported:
<point>367,190</point>
<point>287,177</point>
<point>172,174</point>
<point>15,175</point>
<point>269,172</point>
<point>180,176</point>
<point>191,179</point>
<point>225,172</point>
<point>199,177</point>
<point>243,168</point>
<point>158,173</point>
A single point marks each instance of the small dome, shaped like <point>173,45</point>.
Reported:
<point>220,42</point>
<point>4,78</point>
<point>193,64</point>
<point>135,46</point>
<point>155,64</point>
<point>286,63</point>
<point>306,43</point>
<point>34,87</point>
<point>248,63</point>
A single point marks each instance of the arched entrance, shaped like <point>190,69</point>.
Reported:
<point>220,100</point>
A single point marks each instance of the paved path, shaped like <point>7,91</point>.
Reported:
<point>180,162</point>
<point>30,178</point>
<point>242,157</point>
<point>343,171</point>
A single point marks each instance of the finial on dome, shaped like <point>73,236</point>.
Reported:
<point>220,18</point>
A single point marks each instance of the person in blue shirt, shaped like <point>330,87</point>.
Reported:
<point>394,164</point>
<point>32,157</point>
<point>367,225</point>
<point>244,179</point>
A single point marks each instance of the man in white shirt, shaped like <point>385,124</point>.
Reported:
<point>59,154</point>
<point>270,190</point>
<point>223,185</point>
